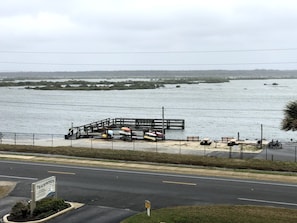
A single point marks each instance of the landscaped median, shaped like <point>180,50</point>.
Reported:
<point>72,206</point>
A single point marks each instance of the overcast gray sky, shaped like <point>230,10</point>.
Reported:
<point>70,35</point>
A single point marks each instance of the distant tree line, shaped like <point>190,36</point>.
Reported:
<point>106,85</point>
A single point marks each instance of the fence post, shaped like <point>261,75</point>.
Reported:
<point>241,153</point>
<point>295,153</point>
<point>15,136</point>
<point>204,150</point>
<point>33,138</point>
<point>180,147</point>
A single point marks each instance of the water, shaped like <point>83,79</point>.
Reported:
<point>210,110</point>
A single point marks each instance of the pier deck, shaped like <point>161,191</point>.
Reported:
<point>140,124</point>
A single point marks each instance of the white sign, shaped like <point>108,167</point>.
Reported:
<point>44,188</point>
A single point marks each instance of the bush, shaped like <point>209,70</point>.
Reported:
<point>19,211</point>
<point>49,206</point>
<point>44,208</point>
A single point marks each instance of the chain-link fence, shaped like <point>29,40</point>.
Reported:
<point>33,139</point>
<point>219,148</point>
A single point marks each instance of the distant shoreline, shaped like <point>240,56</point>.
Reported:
<point>106,85</point>
<point>231,74</point>
<point>130,80</point>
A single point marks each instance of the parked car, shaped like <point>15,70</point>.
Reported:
<point>205,141</point>
<point>232,142</point>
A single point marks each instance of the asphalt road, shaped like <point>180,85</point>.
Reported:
<point>288,152</point>
<point>111,195</point>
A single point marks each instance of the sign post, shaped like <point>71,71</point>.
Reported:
<point>42,189</point>
<point>147,205</point>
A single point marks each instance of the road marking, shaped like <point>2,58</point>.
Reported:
<point>17,177</point>
<point>60,172</point>
<point>267,202</point>
<point>181,183</point>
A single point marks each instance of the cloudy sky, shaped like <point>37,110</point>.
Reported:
<point>71,35</point>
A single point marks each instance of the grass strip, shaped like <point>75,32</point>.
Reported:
<point>164,158</point>
<point>217,214</point>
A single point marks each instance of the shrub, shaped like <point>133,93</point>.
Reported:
<point>20,210</point>
<point>49,206</point>
<point>44,208</point>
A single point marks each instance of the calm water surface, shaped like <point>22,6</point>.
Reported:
<point>210,110</point>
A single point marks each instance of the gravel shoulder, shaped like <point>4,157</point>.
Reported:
<point>6,187</point>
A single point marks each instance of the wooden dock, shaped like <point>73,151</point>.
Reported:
<point>140,124</point>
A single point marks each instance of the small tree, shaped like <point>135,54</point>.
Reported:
<point>289,123</point>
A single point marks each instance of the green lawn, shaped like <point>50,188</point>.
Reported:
<point>217,214</point>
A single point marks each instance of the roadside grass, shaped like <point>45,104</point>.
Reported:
<point>164,158</point>
<point>217,214</point>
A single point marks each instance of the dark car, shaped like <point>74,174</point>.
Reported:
<point>205,141</point>
<point>232,143</point>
